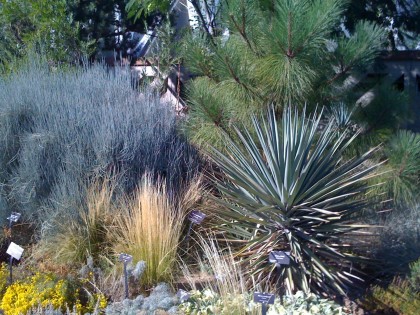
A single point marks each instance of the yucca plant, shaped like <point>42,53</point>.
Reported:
<point>341,114</point>
<point>287,188</point>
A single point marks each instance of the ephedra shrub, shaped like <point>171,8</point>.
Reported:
<point>61,128</point>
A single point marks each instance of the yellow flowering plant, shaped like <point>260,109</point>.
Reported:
<point>39,289</point>
<point>91,298</point>
<point>43,290</point>
<point>4,275</point>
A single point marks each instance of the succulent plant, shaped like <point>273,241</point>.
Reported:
<point>286,187</point>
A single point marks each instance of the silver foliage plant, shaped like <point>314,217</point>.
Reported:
<point>286,187</point>
<point>59,128</point>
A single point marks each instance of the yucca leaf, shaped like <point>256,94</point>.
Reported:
<point>288,188</point>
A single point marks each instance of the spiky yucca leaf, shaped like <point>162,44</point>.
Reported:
<point>289,190</point>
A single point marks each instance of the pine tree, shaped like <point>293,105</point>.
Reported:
<point>273,52</point>
<point>400,18</point>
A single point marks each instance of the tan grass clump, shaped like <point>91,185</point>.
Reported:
<point>84,236</point>
<point>224,277</point>
<point>149,227</point>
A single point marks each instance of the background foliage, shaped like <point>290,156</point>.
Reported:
<point>75,140</point>
<point>280,53</point>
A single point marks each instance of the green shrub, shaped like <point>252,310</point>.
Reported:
<point>74,241</point>
<point>401,173</point>
<point>397,298</point>
<point>414,277</point>
<point>401,296</point>
<point>148,227</point>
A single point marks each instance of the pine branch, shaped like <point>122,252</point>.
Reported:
<point>241,31</point>
<point>232,73</point>
<point>210,14</point>
<point>236,78</point>
<point>289,37</point>
<point>339,74</point>
<point>203,21</point>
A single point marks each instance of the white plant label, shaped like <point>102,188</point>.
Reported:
<point>15,251</point>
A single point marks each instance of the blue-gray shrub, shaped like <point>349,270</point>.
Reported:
<point>59,128</point>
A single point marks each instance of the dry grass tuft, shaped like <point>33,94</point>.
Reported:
<point>84,236</point>
<point>147,225</point>
<point>223,276</point>
<point>149,228</point>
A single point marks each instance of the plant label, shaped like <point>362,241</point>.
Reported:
<point>125,258</point>
<point>14,217</point>
<point>279,257</point>
<point>182,295</point>
<point>15,251</point>
<point>196,216</point>
<point>264,298</point>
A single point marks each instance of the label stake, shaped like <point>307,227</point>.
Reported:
<point>125,259</point>
<point>264,299</point>
<point>195,217</point>
<point>279,258</point>
<point>13,218</point>
<point>15,251</point>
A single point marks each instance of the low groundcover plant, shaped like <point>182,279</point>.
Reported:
<point>208,302</point>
